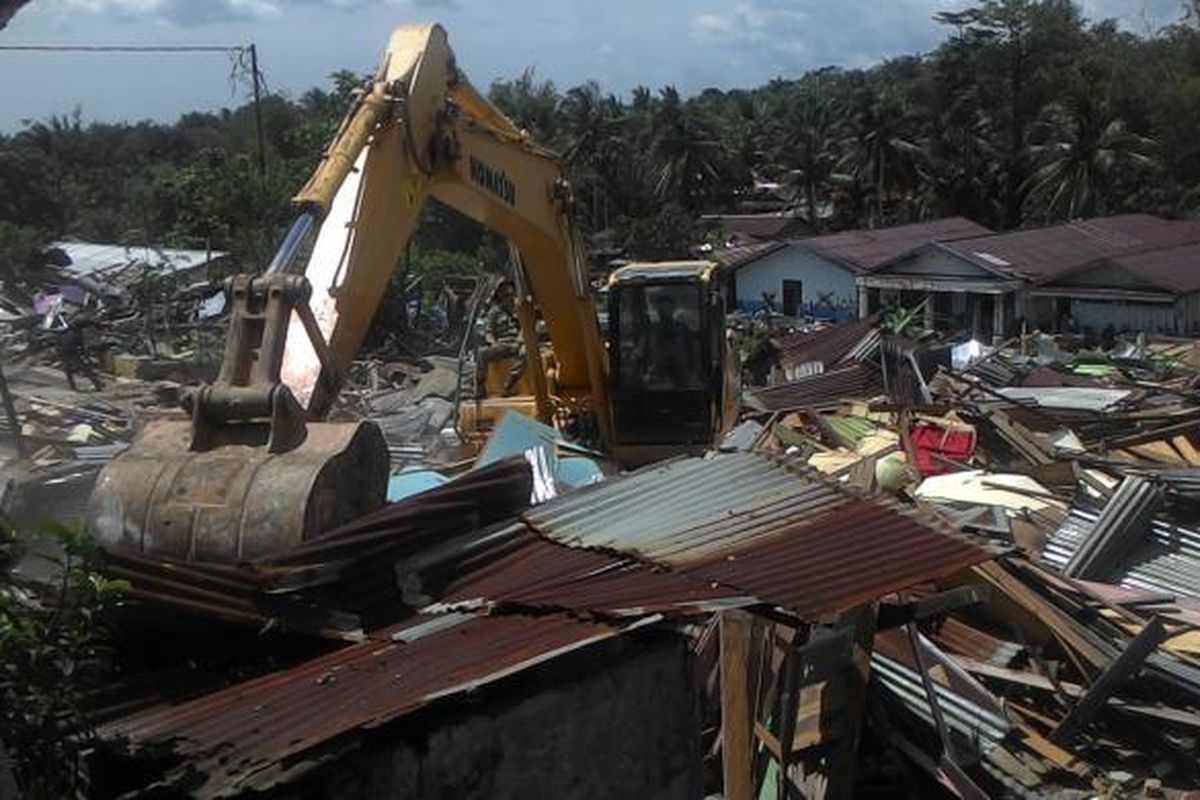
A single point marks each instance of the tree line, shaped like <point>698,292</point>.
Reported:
<point>1026,113</point>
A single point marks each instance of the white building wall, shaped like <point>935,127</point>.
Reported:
<point>1096,315</point>
<point>819,276</point>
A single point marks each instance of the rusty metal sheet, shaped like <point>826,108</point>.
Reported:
<point>538,574</point>
<point>864,250</point>
<point>237,738</point>
<point>471,501</point>
<point>228,593</point>
<point>828,345</point>
<point>349,569</point>
<point>686,510</point>
<point>1042,253</point>
<point>832,563</point>
<point>957,636</point>
<point>853,381</point>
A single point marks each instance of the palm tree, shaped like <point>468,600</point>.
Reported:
<point>1078,150</point>
<point>685,151</point>
<point>530,103</point>
<point>809,150</point>
<point>590,123</point>
<point>882,152</point>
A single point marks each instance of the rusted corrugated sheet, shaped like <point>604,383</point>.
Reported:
<point>238,738</point>
<point>853,381</point>
<point>828,345</point>
<point>864,250</point>
<point>958,637</point>
<point>477,498</point>
<point>228,593</point>
<point>321,584</point>
<point>758,527</point>
<point>535,573</point>
<point>737,256</point>
<point>686,510</point>
<point>831,563</point>
<point>1043,253</point>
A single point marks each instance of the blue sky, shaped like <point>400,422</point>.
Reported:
<point>621,43</point>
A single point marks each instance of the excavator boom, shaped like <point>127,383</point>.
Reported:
<point>254,470</point>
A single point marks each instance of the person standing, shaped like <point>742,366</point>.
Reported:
<point>74,349</point>
<point>502,335</point>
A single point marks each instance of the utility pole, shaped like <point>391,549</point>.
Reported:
<point>258,123</point>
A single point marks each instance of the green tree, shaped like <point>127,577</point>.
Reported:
<point>1079,150</point>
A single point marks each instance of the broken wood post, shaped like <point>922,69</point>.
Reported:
<point>1115,674</point>
<point>736,732</point>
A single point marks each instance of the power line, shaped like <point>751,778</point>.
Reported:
<point>240,53</point>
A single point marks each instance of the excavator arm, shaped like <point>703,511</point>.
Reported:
<point>255,470</point>
<point>421,130</point>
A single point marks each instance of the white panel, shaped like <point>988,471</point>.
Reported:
<point>301,367</point>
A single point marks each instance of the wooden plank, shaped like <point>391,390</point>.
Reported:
<point>768,739</point>
<point>1056,755</point>
<point>897,614</point>
<point>1019,437</point>
<point>1186,449</point>
<point>1122,668</point>
<point>1037,615</point>
<point>736,713</point>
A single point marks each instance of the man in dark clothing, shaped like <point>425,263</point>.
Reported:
<point>502,334</point>
<point>670,352</point>
<point>73,350</point>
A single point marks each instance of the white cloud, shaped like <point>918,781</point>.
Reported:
<point>711,25</point>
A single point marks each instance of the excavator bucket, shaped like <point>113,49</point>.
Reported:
<point>236,502</point>
<point>248,476</point>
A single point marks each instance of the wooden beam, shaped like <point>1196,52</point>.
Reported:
<point>1114,675</point>
<point>737,733</point>
<point>893,615</point>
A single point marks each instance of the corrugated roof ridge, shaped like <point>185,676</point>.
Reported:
<point>767,489</point>
<point>691,503</point>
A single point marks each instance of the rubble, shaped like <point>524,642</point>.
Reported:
<point>951,568</point>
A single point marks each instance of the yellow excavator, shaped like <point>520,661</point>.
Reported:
<point>255,470</point>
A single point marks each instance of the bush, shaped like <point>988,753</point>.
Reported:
<point>52,651</point>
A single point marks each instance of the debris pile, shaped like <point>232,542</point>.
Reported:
<point>913,569</point>
<point>1075,670</point>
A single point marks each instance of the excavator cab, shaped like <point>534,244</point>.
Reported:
<point>668,361</point>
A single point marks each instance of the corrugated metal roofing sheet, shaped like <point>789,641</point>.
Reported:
<point>829,563</point>
<point>760,528</point>
<point>853,381</point>
<point>736,256</point>
<point>532,572</point>
<point>87,258</point>
<point>1168,561</point>
<point>828,345</point>
<point>237,737</point>
<point>865,250</point>
<point>1173,268</point>
<point>682,511</point>
<point>1046,252</point>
